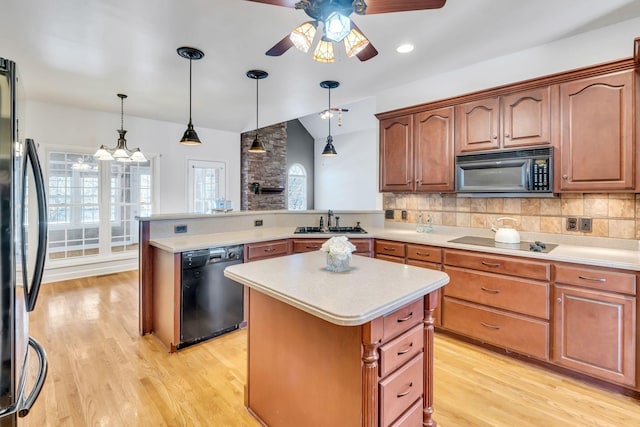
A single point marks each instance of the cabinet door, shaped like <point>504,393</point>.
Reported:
<point>478,125</point>
<point>433,136</point>
<point>526,118</point>
<point>396,154</point>
<point>597,143</point>
<point>595,333</point>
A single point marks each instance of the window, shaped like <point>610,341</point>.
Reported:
<point>297,188</point>
<point>207,185</point>
<point>93,205</point>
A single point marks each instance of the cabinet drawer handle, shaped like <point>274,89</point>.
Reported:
<point>404,319</point>
<point>312,247</point>
<point>491,264</point>
<point>422,254</point>
<point>491,291</point>
<point>407,391</point>
<point>388,249</point>
<point>486,325</point>
<point>269,249</point>
<point>406,350</point>
<point>593,279</point>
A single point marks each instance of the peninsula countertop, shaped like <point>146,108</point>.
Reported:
<point>370,288</point>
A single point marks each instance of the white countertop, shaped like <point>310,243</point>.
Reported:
<point>587,253</point>
<point>369,289</point>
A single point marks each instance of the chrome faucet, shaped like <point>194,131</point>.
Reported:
<point>329,215</point>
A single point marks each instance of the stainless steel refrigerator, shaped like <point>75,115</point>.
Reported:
<point>23,240</point>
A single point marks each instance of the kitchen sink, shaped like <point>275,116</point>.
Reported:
<point>346,230</point>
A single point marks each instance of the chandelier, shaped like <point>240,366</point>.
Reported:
<point>120,152</point>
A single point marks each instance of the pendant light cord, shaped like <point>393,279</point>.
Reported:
<point>190,60</point>
<point>257,103</point>
<point>329,112</point>
<point>121,113</point>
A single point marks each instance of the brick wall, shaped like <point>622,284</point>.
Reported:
<point>268,169</point>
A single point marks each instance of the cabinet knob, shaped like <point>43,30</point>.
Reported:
<point>559,300</point>
<point>565,176</point>
<point>495,136</point>
<point>506,135</point>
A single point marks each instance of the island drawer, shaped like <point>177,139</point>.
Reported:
<point>306,245</point>
<point>263,250</point>
<point>510,331</point>
<point>405,347</point>
<point>400,390</point>
<point>402,319</point>
<point>505,292</point>
<point>424,264</point>
<point>387,247</point>
<point>424,253</point>
<point>411,418</point>
<point>499,264</point>
<point>596,278</point>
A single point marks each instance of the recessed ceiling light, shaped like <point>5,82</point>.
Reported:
<point>404,48</point>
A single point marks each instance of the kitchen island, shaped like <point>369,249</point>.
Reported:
<point>352,349</point>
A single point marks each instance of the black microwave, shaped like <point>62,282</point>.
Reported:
<point>524,172</point>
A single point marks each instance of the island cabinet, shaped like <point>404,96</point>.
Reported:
<point>427,257</point>
<point>363,246</point>
<point>322,354</point>
<point>595,322</point>
<point>416,152</point>
<point>264,250</point>
<point>509,121</point>
<point>597,139</point>
<point>500,300</point>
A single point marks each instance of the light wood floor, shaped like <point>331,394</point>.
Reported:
<point>101,373</point>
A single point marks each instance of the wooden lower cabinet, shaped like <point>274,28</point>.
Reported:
<point>390,250</point>
<point>595,326</point>
<point>363,246</point>
<point>487,300</point>
<point>264,250</point>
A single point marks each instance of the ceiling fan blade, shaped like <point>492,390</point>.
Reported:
<point>388,6</point>
<point>367,53</point>
<point>285,3</point>
<point>281,47</point>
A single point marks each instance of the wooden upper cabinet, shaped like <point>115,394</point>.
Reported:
<point>433,148</point>
<point>519,119</point>
<point>396,154</point>
<point>478,125</point>
<point>597,141</point>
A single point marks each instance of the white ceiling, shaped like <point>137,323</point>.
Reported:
<point>83,52</point>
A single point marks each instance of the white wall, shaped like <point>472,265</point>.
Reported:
<point>350,179</point>
<point>56,126</point>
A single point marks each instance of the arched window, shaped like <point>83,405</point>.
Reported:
<point>297,188</point>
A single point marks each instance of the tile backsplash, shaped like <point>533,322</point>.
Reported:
<point>613,215</point>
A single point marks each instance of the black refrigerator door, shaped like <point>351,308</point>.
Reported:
<point>33,190</point>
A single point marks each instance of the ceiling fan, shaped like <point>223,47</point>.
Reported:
<point>325,114</point>
<point>337,26</point>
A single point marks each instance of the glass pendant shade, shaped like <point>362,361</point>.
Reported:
<point>329,149</point>
<point>137,156</point>
<point>355,42</point>
<point>337,26</point>
<point>324,52</point>
<point>103,154</point>
<point>302,37</point>
<point>190,136</point>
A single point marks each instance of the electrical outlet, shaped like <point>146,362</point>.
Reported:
<point>585,224</point>
<point>572,223</point>
<point>404,214</point>
<point>257,223</point>
<point>180,228</point>
<point>388,214</point>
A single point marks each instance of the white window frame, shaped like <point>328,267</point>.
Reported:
<point>306,178</point>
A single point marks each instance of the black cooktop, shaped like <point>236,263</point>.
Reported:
<point>536,246</point>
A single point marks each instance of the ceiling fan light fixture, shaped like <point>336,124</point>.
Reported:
<point>324,52</point>
<point>337,26</point>
<point>405,48</point>
<point>302,37</point>
<point>355,42</point>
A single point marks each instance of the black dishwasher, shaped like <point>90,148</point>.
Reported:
<point>210,304</point>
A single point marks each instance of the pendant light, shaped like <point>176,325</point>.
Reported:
<point>257,146</point>
<point>120,152</point>
<point>190,136</point>
<point>329,149</point>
